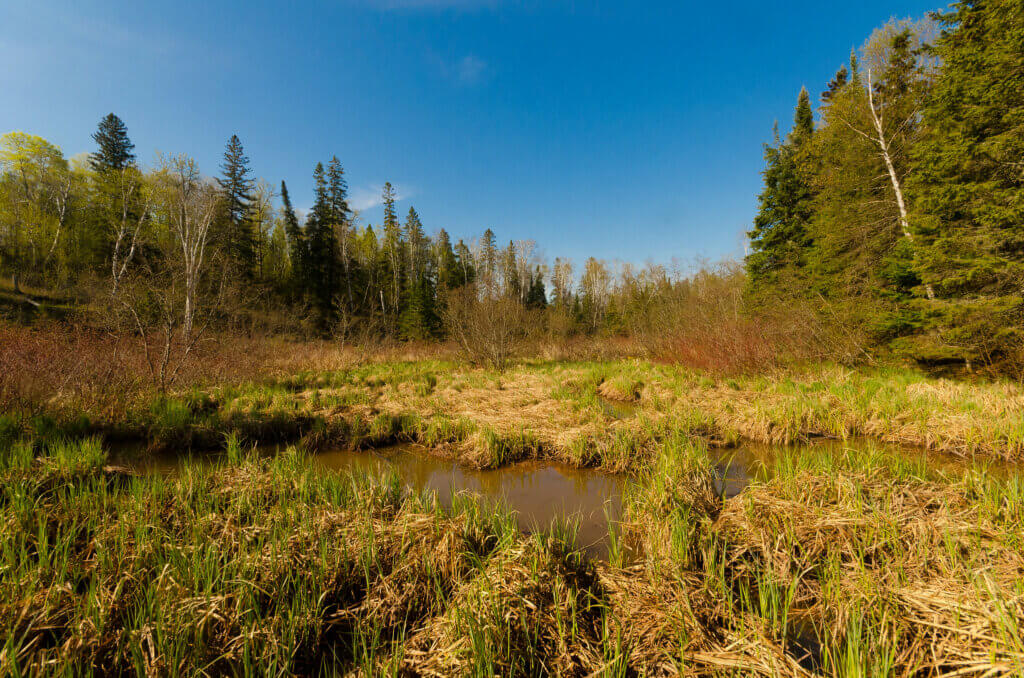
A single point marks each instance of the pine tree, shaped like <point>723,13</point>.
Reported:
<point>968,185</point>
<point>393,252</point>
<point>780,238</point>
<point>322,258</point>
<point>115,148</point>
<point>297,250</point>
<point>340,214</point>
<point>236,185</point>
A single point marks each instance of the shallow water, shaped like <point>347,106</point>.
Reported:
<point>538,493</point>
<point>617,409</point>
<point>740,465</point>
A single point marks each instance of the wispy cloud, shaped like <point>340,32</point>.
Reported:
<point>467,70</point>
<point>471,69</point>
<point>368,196</point>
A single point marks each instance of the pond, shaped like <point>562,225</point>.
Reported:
<point>540,492</point>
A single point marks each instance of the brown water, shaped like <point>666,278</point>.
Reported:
<point>617,409</point>
<point>738,466</point>
<point>537,493</point>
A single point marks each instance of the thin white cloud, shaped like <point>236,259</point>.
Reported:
<point>471,69</point>
<point>362,198</point>
<point>468,70</point>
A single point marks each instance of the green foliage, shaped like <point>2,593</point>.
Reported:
<point>780,237</point>
<point>968,186</point>
<point>115,148</point>
<point>237,186</point>
<point>902,210</point>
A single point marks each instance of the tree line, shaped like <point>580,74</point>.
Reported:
<point>891,221</point>
<point>152,248</point>
<point>901,210</point>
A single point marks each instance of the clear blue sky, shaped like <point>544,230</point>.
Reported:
<point>623,130</point>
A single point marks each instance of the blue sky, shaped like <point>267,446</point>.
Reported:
<point>629,130</point>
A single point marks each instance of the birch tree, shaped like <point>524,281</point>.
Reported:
<point>884,106</point>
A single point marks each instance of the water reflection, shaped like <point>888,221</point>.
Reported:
<point>537,493</point>
<point>738,466</point>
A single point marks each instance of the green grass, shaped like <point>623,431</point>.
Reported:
<point>847,559</point>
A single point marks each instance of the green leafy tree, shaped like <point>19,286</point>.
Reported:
<point>36,188</point>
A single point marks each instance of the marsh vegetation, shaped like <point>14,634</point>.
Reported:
<point>849,523</point>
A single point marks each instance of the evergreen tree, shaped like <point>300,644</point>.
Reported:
<point>465,261</point>
<point>115,148</point>
<point>803,119</point>
<point>322,270</point>
<point>488,265</point>
<point>968,184</point>
<point>393,253</point>
<point>337,190</point>
<point>297,250</point>
<point>780,238</point>
<point>537,296</point>
<point>510,272</point>
<point>236,184</point>
<point>449,273</point>
<point>416,241</point>
<point>837,82</point>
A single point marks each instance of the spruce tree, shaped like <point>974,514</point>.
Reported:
<point>967,185</point>
<point>465,260</point>
<point>236,184</point>
<point>537,297</point>
<point>803,119</point>
<point>449,273</point>
<point>337,190</point>
<point>488,265</point>
<point>296,242</point>
<point>393,253</point>
<point>510,272</point>
<point>416,241</point>
<point>780,238</point>
<point>115,148</point>
<point>322,270</point>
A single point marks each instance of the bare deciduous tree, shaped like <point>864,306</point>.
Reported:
<point>489,330</point>
<point>171,302</point>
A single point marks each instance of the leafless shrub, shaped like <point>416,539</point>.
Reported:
<point>706,321</point>
<point>169,300</point>
<point>488,330</point>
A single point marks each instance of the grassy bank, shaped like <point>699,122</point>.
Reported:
<point>845,566</point>
<point>855,562</point>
